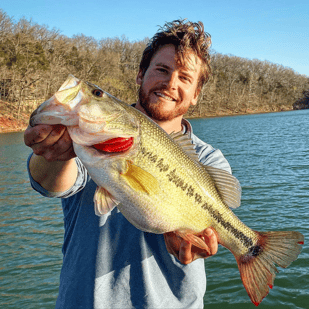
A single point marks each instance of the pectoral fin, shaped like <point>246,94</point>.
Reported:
<point>140,180</point>
<point>104,202</point>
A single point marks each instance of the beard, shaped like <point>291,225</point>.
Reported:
<point>158,110</point>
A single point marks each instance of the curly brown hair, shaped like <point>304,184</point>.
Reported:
<point>186,37</point>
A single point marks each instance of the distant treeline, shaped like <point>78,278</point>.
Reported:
<point>35,61</point>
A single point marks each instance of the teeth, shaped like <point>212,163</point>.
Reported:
<point>164,96</point>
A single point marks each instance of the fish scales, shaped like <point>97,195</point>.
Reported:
<point>158,186</point>
<point>189,191</point>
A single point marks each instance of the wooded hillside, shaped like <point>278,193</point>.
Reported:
<point>35,61</point>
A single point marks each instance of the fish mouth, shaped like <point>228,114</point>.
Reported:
<point>95,125</point>
<point>115,145</point>
<point>96,120</point>
<point>32,120</point>
<point>92,121</point>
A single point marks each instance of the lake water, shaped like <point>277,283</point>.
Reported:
<point>269,154</point>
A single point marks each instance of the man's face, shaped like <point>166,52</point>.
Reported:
<point>168,89</point>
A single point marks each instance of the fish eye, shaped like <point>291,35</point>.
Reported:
<point>98,92</point>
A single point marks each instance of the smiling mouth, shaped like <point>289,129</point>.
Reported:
<point>159,94</point>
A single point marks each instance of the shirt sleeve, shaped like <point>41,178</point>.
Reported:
<point>81,180</point>
<point>209,155</point>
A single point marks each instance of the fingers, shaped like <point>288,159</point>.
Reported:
<point>51,142</point>
<point>54,145</point>
<point>211,241</point>
<point>185,252</point>
<point>186,256</point>
<point>178,247</point>
<point>172,243</point>
<point>67,155</point>
<point>37,134</point>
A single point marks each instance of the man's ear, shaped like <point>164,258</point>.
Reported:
<point>139,77</point>
<point>196,95</point>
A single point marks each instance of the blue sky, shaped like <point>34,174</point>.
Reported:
<point>273,30</point>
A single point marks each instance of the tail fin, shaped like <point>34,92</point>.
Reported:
<point>257,269</point>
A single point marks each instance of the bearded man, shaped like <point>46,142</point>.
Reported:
<point>107,262</point>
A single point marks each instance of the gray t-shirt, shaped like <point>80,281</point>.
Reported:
<point>108,263</point>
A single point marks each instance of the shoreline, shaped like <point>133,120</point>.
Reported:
<point>12,125</point>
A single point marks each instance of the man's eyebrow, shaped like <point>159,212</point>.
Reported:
<point>160,64</point>
<point>186,71</point>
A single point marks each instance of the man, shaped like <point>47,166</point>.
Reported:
<point>108,263</point>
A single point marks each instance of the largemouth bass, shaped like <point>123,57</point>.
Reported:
<point>157,182</point>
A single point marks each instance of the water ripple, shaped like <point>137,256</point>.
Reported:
<point>269,155</point>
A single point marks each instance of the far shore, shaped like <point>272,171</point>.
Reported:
<point>10,125</point>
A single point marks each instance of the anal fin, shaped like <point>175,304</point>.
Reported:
<point>194,239</point>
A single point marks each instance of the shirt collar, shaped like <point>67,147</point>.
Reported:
<point>186,127</point>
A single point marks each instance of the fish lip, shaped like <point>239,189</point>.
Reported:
<point>92,121</point>
<point>31,120</point>
<point>98,120</point>
<point>165,94</point>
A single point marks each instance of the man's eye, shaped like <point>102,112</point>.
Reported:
<point>185,78</point>
<point>98,92</point>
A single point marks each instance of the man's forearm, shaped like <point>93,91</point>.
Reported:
<point>57,176</point>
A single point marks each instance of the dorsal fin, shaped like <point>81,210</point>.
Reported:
<point>185,142</point>
<point>227,185</point>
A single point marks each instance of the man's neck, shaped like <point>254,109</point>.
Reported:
<point>169,126</point>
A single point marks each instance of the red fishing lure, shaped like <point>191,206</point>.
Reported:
<point>118,144</point>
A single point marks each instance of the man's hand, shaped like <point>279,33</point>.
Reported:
<point>50,141</point>
<point>52,164</point>
<point>185,252</point>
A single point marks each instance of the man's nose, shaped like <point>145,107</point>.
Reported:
<point>172,80</point>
